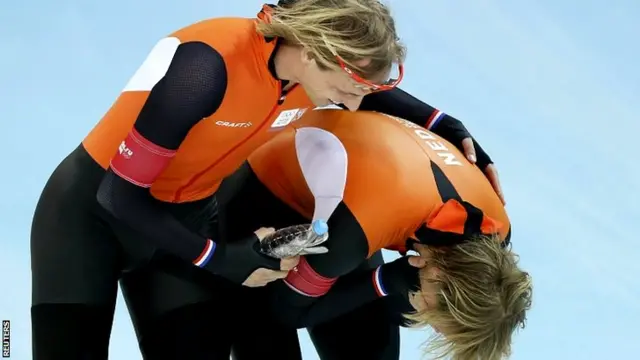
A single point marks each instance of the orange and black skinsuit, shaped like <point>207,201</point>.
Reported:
<point>135,199</point>
<point>403,183</point>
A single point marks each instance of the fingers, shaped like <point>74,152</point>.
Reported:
<point>469,149</point>
<point>421,249</point>
<point>264,232</point>
<point>316,250</point>
<point>287,264</point>
<point>491,173</point>
<point>275,275</point>
<point>490,170</point>
<point>262,277</point>
<point>417,261</point>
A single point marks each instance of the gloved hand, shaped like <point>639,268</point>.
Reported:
<point>454,131</point>
<point>240,261</point>
<point>402,275</point>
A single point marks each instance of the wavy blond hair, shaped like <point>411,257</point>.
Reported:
<point>482,299</point>
<point>352,29</point>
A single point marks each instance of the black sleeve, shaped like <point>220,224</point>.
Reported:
<point>347,294</point>
<point>390,282</point>
<point>348,248</point>
<point>192,89</point>
<point>397,102</point>
<point>348,245</point>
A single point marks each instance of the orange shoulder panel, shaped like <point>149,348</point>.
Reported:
<point>250,114</point>
<point>103,140</point>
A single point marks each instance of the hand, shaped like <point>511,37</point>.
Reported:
<point>454,131</point>
<point>240,261</point>
<point>469,146</point>
<point>416,261</point>
<point>262,276</point>
<point>402,276</point>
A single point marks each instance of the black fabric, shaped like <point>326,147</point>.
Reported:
<point>194,331</point>
<point>366,333</point>
<point>70,331</point>
<point>75,263</point>
<point>351,292</point>
<point>369,332</point>
<point>348,247</point>
<point>482,158</point>
<point>75,257</point>
<point>258,334</point>
<point>473,222</point>
<point>399,278</point>
<point>191,90</point>
<point>236,260</point>
<point>79,252</point>
<point>91,229</point>
<point>245,205</point>
<point>347,242</point>
<point>397,102</point>
<point>180,314</point>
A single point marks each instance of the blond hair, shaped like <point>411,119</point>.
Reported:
<point>352,29</point>
<point>482,299</point>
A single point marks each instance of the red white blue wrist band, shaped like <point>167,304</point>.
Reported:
<point>434,119</point>
<point>206,254</point>
<point>377,283</point>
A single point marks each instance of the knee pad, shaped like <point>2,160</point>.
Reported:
<point>70,331</point>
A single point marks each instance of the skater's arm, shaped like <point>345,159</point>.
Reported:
<point>315,275</point>
<point>399,103</point>
<point>392,281</point>
<point>191,89</point>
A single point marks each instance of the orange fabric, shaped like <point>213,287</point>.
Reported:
<point>449,217</point>
<point>490,225</point>
<point>390,186</point>
<point>210,151</point>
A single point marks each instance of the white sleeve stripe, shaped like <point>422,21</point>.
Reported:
<point>155,66</point>
<point>323,161</point>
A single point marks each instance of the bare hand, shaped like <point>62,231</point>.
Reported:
<point>262,276</point>
<point>417,261</point>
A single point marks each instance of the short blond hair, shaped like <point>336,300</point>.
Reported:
<point>482,299</point>
<point>352,29</point>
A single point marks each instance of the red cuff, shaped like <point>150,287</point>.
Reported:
<point>140,161</point>
<point>306,281</point>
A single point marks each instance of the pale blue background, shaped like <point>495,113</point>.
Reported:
<point>550,90</point>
